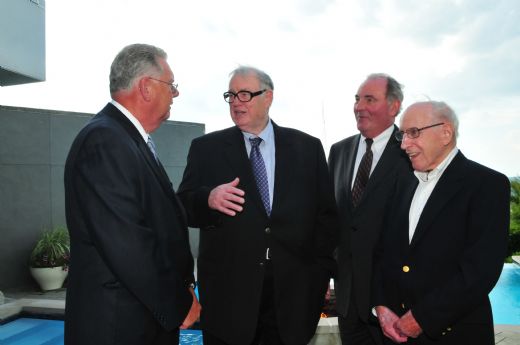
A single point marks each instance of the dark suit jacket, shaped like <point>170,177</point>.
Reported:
<point>130,255</point>
<point>361,226</point>
<point>455,257</point>
<point>300,234</point>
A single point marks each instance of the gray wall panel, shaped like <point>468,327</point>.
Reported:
<point>24,137</point>
<point>34,144</point>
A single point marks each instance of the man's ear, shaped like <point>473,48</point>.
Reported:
<point>448,133</point>
<point>145,89</point>
<point>394,107</point>
<point>269,97</point>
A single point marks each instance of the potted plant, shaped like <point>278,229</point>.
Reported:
<point>50,258</point>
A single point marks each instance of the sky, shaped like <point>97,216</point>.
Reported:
<point>318,52</point>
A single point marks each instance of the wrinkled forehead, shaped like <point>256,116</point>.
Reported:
<point>375,87</point>
<point>247,82</point>
<point>417,115</point>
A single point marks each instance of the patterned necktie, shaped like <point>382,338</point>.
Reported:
<point>151,145</point>
<point>260,173</point>
<point>362,174</point>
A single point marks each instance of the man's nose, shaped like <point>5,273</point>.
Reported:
<point>236,100</point>
<point>405,141</point>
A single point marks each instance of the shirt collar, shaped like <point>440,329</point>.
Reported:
<point>266,134</point>
<point>132,119</point>
<point>381,140</point>
<point>426,176</point>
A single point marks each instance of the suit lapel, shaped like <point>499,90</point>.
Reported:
<point>446,188</point>
<point>157,168</point>
<point>284,169</point>
<point>349,164</point>
<point>405,196</point>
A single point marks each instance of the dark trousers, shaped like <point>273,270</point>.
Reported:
<point>267,328</point>
<point>354,331</point>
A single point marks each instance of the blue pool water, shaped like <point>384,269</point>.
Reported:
<point>26,331</point>
<point>505,297</point>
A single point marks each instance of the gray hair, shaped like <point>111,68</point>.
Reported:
<point>264,79</point>
<point>442,111</point>
<point>134,61</point>
<point>394,90</point>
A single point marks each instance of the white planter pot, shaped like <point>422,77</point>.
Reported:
<point>49,278</point>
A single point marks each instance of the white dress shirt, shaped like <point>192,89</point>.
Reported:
<point>427,182</point>
<point>378,146</point>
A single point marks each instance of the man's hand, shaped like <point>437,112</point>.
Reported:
<point>227,198</point>
<point>387,321</point>
<point>193,314</point>
<point>408,326</point>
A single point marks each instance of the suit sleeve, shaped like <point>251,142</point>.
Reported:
<point>327,222</point>
<point>480,262</point>
<point>193,194</point>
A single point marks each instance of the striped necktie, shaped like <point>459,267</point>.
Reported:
<point>362,174</point>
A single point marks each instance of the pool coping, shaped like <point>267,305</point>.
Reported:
<point>14,308</point>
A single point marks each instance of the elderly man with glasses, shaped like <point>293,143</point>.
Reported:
<point>445,238</point>
<point>131,272</point>
<point>261,196</point>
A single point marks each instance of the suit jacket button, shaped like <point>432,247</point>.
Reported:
<point>443,333</point>
<point>261,264</point>
<point>267,230</point>
<point>406,269</point>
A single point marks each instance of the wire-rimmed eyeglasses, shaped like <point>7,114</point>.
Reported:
<point>413,132</point>
<point>243,96</point>
<point>173,87</point>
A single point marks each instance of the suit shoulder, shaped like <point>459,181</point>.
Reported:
<point>344,145</point>
<point>295,134</point>
<point>485,172</point>
<point>346,142</point>
<point>214,137</point>
<point>101,127</point>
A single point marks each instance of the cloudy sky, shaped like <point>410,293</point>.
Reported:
<point>464,52</point>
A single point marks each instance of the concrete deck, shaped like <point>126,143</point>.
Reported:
<point>53,303</point>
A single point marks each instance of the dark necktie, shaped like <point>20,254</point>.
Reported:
<point>260,173</point>
<point>362,174</point>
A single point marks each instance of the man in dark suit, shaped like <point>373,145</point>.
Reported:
<point>131,266</point>
<point>268,231</point>
<point>378,101</point>
<point>445,238</point>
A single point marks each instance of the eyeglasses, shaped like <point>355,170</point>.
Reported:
<point>173,87</point>
<point>413,132</point>
<point>243,96</point>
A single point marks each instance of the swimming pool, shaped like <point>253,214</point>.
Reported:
<point>505,297</point>
<point>28,331</point>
